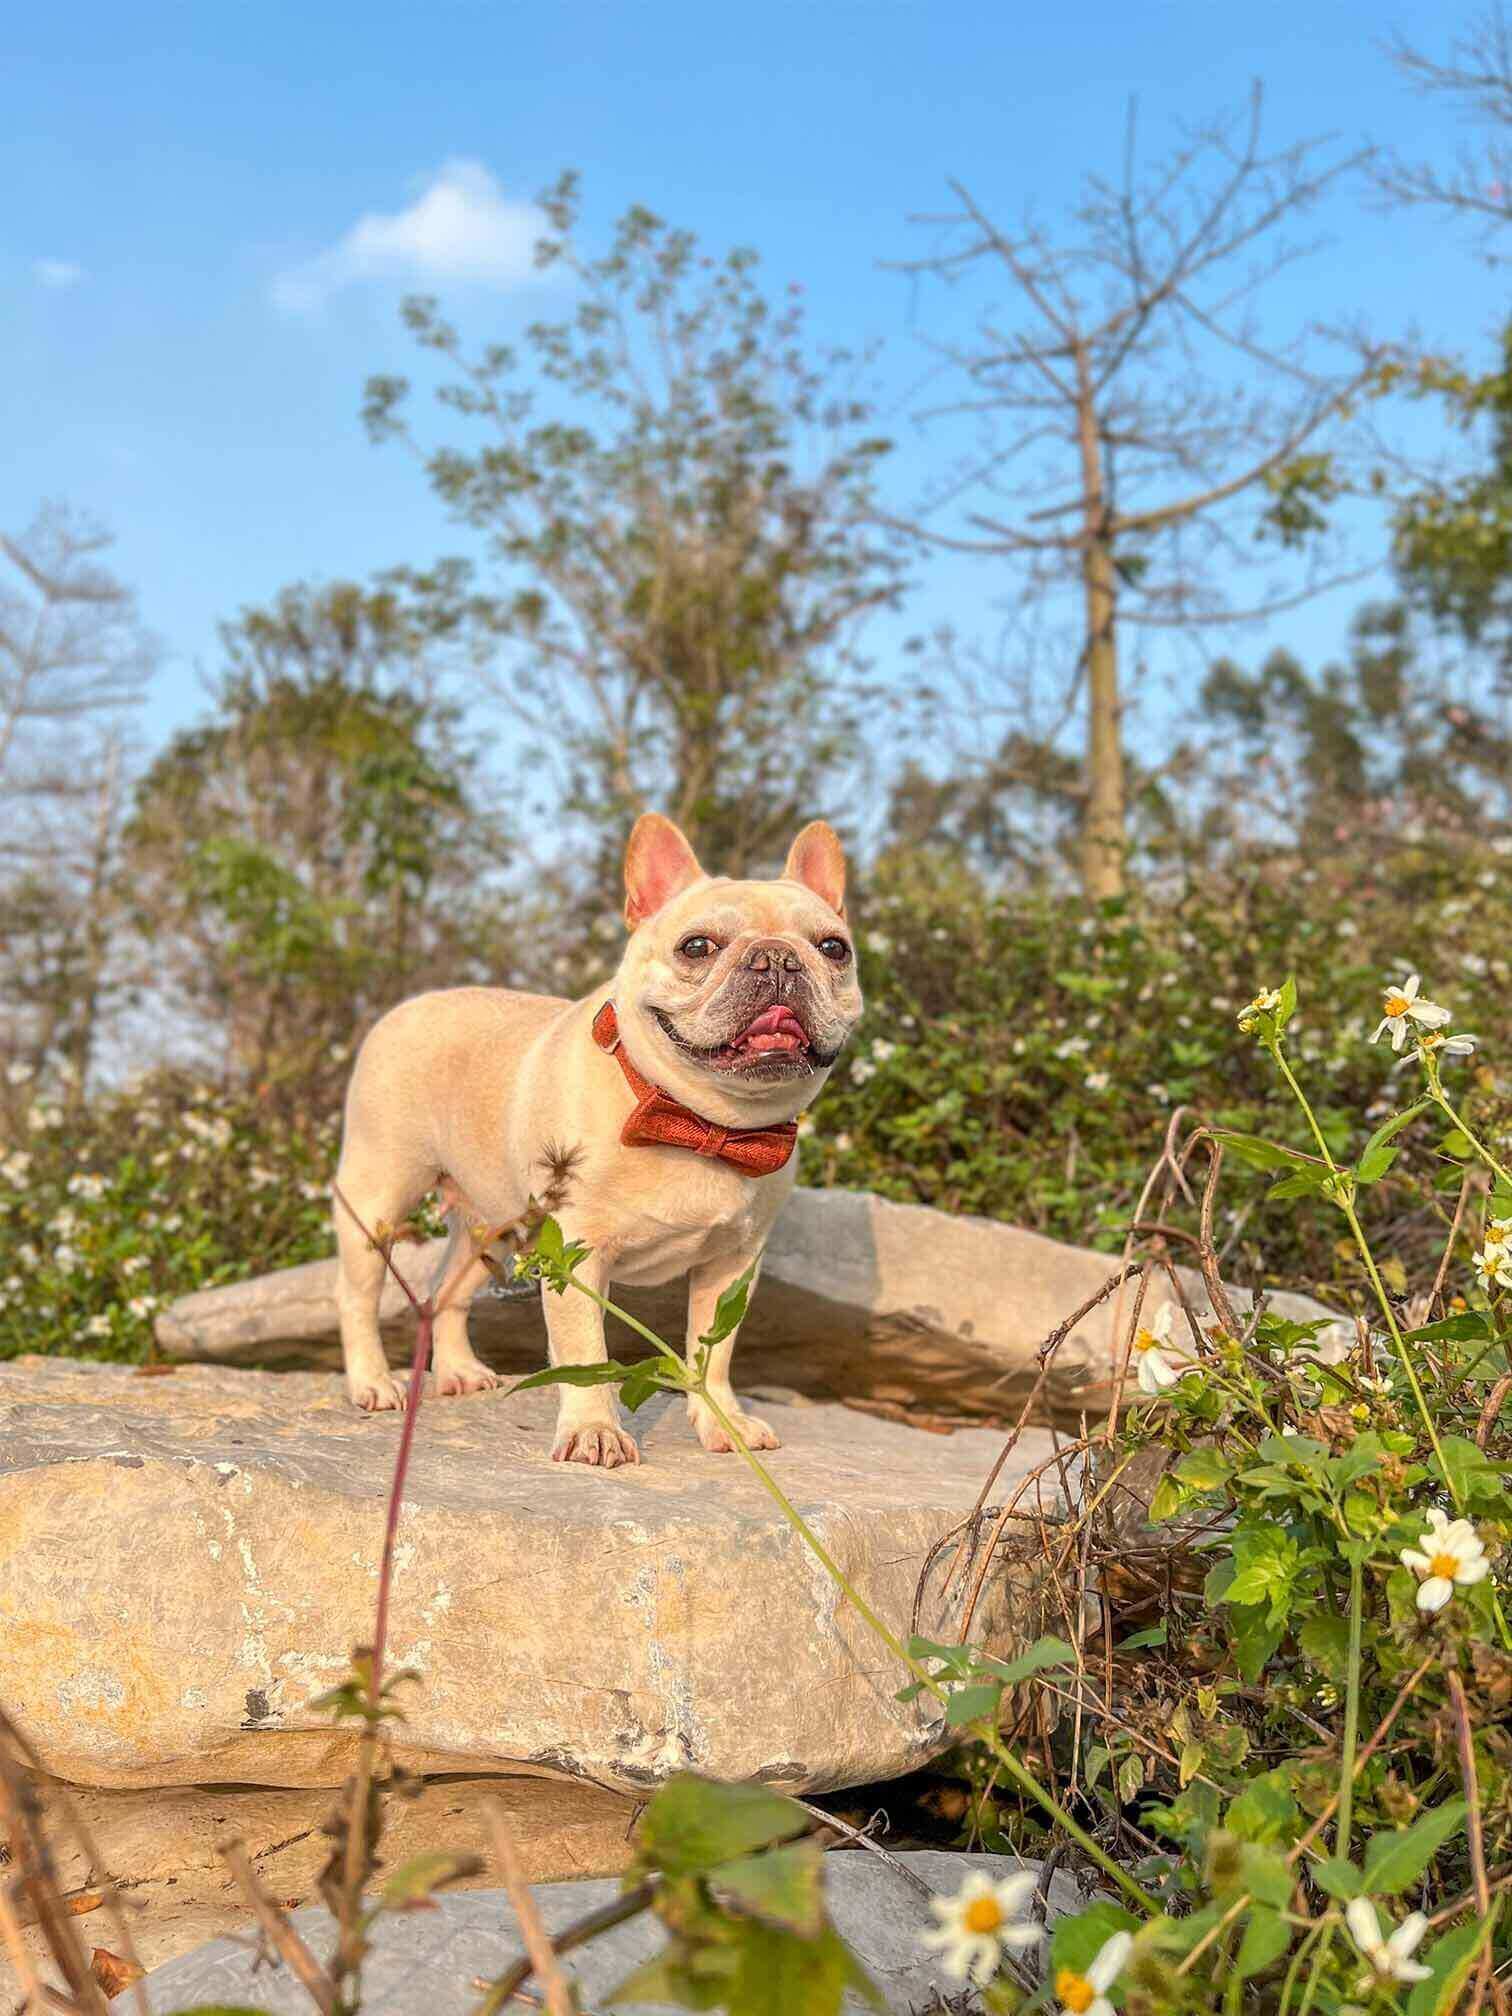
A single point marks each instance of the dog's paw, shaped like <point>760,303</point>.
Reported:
<point>603,1446</point>
<point>380,1393</point>
<point>754,1433</point>
<point>469,1377</point>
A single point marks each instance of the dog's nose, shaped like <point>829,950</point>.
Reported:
<point>773,957</point>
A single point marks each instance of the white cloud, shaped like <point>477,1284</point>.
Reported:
<point>461,227</point>
<point>56,273</point>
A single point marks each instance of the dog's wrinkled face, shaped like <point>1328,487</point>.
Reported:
<point>736,996</point>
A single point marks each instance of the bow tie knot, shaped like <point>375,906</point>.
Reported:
<point>660,1121</point>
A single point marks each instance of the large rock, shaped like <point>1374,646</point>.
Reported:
<point>431,1960</point>
<point>859,1299</point>
<point>185,1562</point>
<point>160,1848</point>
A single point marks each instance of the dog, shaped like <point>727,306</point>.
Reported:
<point>676,1087</point>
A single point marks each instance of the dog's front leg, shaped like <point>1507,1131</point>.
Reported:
<point>588,1419</point>
<point>705,1286</point>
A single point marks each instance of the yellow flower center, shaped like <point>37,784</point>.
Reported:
<point>1074,1991</point>
<point>1146,1340</point>
<point>1397,1004</point>
<point>982,1914</point>
<point>1444,1565</point>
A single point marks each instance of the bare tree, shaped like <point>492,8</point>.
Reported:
<point>1478,76</point>
<point>74,662</point>
<point>1128,404</point>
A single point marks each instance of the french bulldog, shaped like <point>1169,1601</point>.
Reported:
<point>675,1088</point>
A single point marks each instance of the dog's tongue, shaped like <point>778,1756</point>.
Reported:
<point>773,1029</point>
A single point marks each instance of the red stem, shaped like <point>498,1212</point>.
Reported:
<point>418,1368</point>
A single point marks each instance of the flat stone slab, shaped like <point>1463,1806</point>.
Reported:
<point>429,1960</point>
<point>859,1298</point>
<point>187,1561</point>
<point>159,1845</point>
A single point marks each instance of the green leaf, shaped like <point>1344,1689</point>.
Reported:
<point>1473,1327</point>
<point>409,1887</point>
<point>1337,1878</point>
<point>778,1975</point>
<point>972,1704</point>
<point>1044,1652</point>
<point>693,1824</point>
<point>1264,1811</point>
<point>729,1311</point>
<point>1448,1961</point>
<point>610,1373</point>
<point>1389,1129</point>
<point>1286,1007</point>
<point>1265,1875</point>
<point>1255,1639</point>
<point>1325,1640</point>
<point>783,1886</point>
<point>1266,1937</point>
<point>1466,1469</point>
<point>1262,1154</point>
<point>1306,1183</point>
<point>1373,1165</point>
<point>1155,1635</point>
<point>1076,1942</point>
<point>667,1977</point>
<point>1204,1469</point>
<point>1395,1861</point>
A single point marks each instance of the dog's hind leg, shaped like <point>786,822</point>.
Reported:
<point>463,1272</point>
<point>381,1190</point>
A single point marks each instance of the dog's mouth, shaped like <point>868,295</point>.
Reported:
<point>773,1044</point>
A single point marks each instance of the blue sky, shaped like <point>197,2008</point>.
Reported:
<point>189,319</point>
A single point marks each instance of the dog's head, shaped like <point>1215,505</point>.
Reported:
<point>736,997</point>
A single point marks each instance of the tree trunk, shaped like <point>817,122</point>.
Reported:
<point>1104,839</point>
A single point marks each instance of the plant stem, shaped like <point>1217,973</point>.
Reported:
<point>1436,1091</point>
<point>1351,1709</point>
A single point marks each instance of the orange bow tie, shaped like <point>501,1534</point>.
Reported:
<point>659,1121</point>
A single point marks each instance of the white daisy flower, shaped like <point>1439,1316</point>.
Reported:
<point>18,1073</point>
<point>861,1071</point>
<point>16,1169</point>
<point>883,1050</point>
<point>1160,1365</point>
<point>1404,1007</point>
<point>142,1306</point>
<point>1451,1552</point>
<point>979,1922</point>
<point>97,1326</point>
<point>172,1222</point>
<point>1085,1994</point>
<point>1436,1043</point>
<point>1390,1959</point>
<point>1096,1081</point>
<point>134,1263</point>
<point>1493,1263</point>
<point>91,1187</point>
<point>65,1258</point>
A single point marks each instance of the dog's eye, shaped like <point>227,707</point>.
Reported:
<point>698,947</point>
<point>836,949</point>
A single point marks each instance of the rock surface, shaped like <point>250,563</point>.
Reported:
<point>429,1960</point>
<point>159,1847</point>
<point>859,1298</point>
<point>185,1562</point>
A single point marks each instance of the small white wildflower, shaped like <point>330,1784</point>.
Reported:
<point>978,1923</point>
<point>65,1223</point>
<point>19,1073</point>
<point>1096,1081</point>
<point>90,1187</point>
<point>28,1255</point>
<point>97,1326</point>
<point>883,1050</point>
<point>1347,928</point>
<point>173,1222</point>
<point>1160,1365</point>
<point>1451,1552</point>
<point>16,1169</point>
<point>1493,1263</point>
<point>843,1143</point>
<point>1158,1092</point>
<point>65,1258</point>
<point>142,1306</point>
<point>259,1177</point>
<point>1072,1047</point>
<point>1390,1959</point>
<point>805,1125</point>
<point>1403,1007</point>
<point>1266,1002</point>
<point>135,1263</point>
<point>878,942</point>
<point>861,1070</point>
<point>312,1192</point>
<point>1086,1994</point>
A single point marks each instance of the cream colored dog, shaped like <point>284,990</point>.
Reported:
<point>732,1000</point>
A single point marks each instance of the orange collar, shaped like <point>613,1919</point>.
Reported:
<point>660,1121</point>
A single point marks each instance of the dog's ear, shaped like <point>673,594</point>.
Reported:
<point>817,861</point>
<point>659,864</point>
